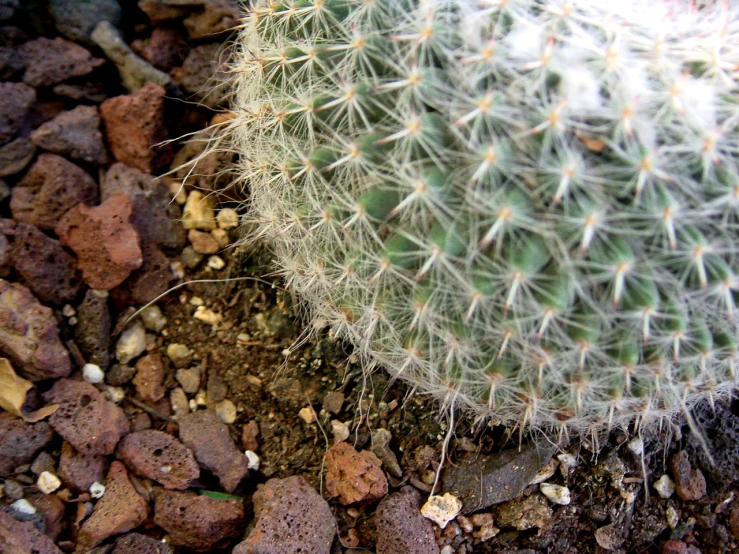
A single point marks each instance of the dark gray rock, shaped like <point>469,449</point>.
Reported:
<point>15,156</point>
<point>15,101</point>
<point>77,19</point>
<point>401,529</point>
<point>75,134</point>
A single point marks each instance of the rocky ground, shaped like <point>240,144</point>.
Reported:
<point>196,423</point>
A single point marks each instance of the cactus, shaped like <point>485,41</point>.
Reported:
<point>526,209</point>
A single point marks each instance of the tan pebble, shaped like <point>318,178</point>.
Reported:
<point>307,414</point>
<point>215,262</point>
<point>198,212</point>
<point>207,315</point>
<point>221,237</point>
<point>228,218</point>
<point>48,482</point>
<point>226,410</point>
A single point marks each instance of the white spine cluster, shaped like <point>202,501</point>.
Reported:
<point>525,208</point>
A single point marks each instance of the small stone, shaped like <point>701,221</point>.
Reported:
<point>179,354</point>
<point>152,318</point>
<point>43,462</point>
<point>252,460</point>
<point>610,537</point>
<point>672,517</point>
<point>556,493</point>
<point>23,506</point>
<point>132,343</point>
<point>51,61</point>
<point>354,476</point>
<point>525,513</point>
<point>15,156</point>
<point>15,101</point>
<point>149,380</point>
<point>80,471</point>
<point>381,447</point>
<point>545,473</point>
<point>636,446</point>
<point>114,394</point>
<point>221,237</point>
<point>190,258</point>
<point>197,301</point>
<point>13,489</point>
<point>97,490</point>
<point>202,242</point>
<point>207,315</point>
<point>690,483</point>
<point>567,463</point>
<point>92,373</point>
<point>216,262</point>
<point>401,529</point>
<point>120,374</point>
<point>189,379</point>
<point>74,134</point>
<point>22,536</point>
<point>308,415</point>
<point>179,402</point>
<point>339,430</point>
<point>249,434</point>
<point>333,402</point>
<point>163,49</point>
<point>441,509</point>
<point>198,212</point>
<point>217,388</point>
<point>48,482</point>
<point>664,486</point>
<point>227,218</point>
<point>76,19</point>
<point>226,410</point>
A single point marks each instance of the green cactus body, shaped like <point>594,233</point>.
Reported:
<point>532,206</point>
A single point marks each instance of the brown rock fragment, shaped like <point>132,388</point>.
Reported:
<point>51,510</point>
<point>15,156</point>
<point>291,517</point>
<point>354,476</point>
<point>162,49</point>
<point>134,124</point>
<point>79,471</point>
<point>89,422</point>
<point>119,510</point>
<point>20,441</point>
<point>51,61</point>
<point>203,243</point>
<point>21,537</point>
<point>149,380</point>
<point>198,522</point>
<point>134,543</point>
<point>15,101</point>
<point>106,244</point>
<point>45,266</point>
<point>149,281</point>
<point>401,529</point>
<point>74,134</point>
<point>525,513</point>
<point>216,17</point>
<point>29,335</point>
<point>92,332</point>
<point>690,484</point>
<point>159,457</point>
<point>198,70</point>
<point>208,437</point>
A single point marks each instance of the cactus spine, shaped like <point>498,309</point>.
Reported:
<point>528,209</point>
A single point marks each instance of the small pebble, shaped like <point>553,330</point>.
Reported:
<point>441,509</point>
<point>198,212</point>
<point>201,398</point>
<point>636,446</point>
<point>153,319</point>
<point>253,459</point>
<point>48,482</point>
<point>227,218</point>
<point>664,486</point>
<point>447,550</point>
<point>555,493</point>
<point>190,258</point>
<point>567,463</point>
<point>92,373</point>
<point>13,489</point>
<point>189,379</point>
<point>68,311</point>
<point>226,410</point>
<point>221,236</point>
<point>114,394</point>
<point>307,414</point>
<point>131,344</point>
<point>177,352</point>
<point>97,490</point>
<point>545,473</point>
<point>216,262</point>
<point>672,518</point>
<point>179,402</point>
<point>197,301</point>
<point>339,430</point>
<point>207,315</point>
<point>24,507</point>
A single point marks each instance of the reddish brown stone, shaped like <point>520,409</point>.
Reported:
<point>74,134</point>
<point>198,70</point>
<point>15,101</point>
<point>46,267</point>
<point>20,537</point>
<point>133,543</point>
<point>149,380</point>
<point>198,522</point>
<point>208,437</point>
<point>354,476</point>
<point>159,457</point>
<point>51,187</point>
<point>106,244</point>
<point>149,281</point>
<point>159,11</point>
<point>20,441</point>
<point>291,517</point>
<point>29,335</point>
<point>89,422</point>
<point>51,61</point>
<point>162,49</point>
<point>52,511</point>
<point>689,483</point>
<point>119,510</point>
<point>134,124</point>
<point>401,529</point>
<point>79,471</point>
<point>203,243</point>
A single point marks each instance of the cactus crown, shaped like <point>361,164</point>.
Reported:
<point>527,209</point>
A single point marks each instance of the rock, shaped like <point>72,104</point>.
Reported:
<point>189,379</point>
<point>51,511</point>
<point>106,244</point>
<point>689,483</point>
<point>152,318</point>
<point>43,462</point>
<point>51,187</point>
<point>46,267</point>
<point>198,522</point>
<point>675,546</point>
<point>20,441</point>
<point>556,494</point>
<point>159,11</point>
<point>119,375</point>
<point>249,436</point>
<point>149,281</point>
<point>22,536</point>
<point>381,448</point>
<point>93,92</point>
<point>525,513</point>
<point>74,134</point>
<point>133,543</point>
<point>179,355</point>
<point>77,19</point>
<point>199,212</point>
<point>208,437</point>
<point>178,401</point>
<point>15,101</point>
<point>163,49</point>
<point>226,411</point>
<point>120,509</point>
<point>291,517</point>
<point>131,343</point>
<point>160,457</point>
<point>354,476</point>
<point>79,471</point>
<point>333,401</point>
<point>15,156</point>
<point>48,482</point>
<point>51,61</point>
<point>216,17</point>
<point>92,332</point>
<point>85,419</point>
<point>149,380</point>
<point>190,258</point>
<point>202,67</point>
<point>611,537</point>
<point>135,72</point>
<point>495,478</point>
<point>401,529</point>
<point>203,243</point>
<point>134,125</point>
<point>441,508</point>
<point>11,62</point>
<point>29,335</point>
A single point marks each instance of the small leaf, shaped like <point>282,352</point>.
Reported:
<point>219,495</point>
<point>13,389</point>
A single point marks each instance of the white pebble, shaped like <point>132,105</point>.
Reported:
<point>97,490</point>
<point>227,218</point>
<point>441,509</point>
<point>198,212</point>
<point>114,394</point>
<point>215,262</point>
<point>131,344</point>
<point>447,550</point>
<point>253,460</point>
<point>555,493</point>
<point>339,430</point>
<point>92,373</point>
<point>48,482</point>
<point>23,506</point>
<point>153,318</point>
<point>201,398</point>
<point>664,486</point>
<point>567,462</point>
<point>177,351</point>
<point>636,446</point>
<point>68,311</point>
<point>672,518</point>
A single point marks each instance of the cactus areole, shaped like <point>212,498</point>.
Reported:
<point>526,209</point>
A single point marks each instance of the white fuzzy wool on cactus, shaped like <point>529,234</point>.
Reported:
<point>528,209</point>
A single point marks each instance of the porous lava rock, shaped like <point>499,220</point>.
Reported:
<point>401,529</point>
<point>74,134</point>
<point>354,476</point>
<point>20,441</point>
<point>149,379</point>
<point>79,471</point>
<point>15,101</point>
<point>21,537</point>
<point>135,543</point>
<point>92,332</point>
<point>160,457</point>
<point>51,61</point>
